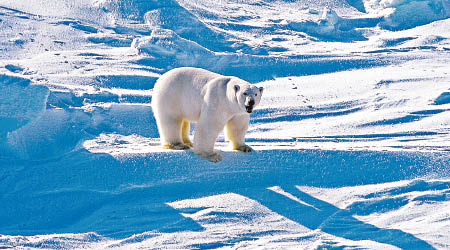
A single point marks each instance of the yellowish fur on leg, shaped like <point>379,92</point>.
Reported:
<point>185,133</point>
<point>234,137</point>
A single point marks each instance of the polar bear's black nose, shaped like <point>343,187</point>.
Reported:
<point>251,103</point>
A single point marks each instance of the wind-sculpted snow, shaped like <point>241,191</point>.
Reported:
<point>351,138</point>
<point>168,14</point>
<point>165,49</point>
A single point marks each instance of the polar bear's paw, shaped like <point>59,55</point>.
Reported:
<point>189,143</point>
<point>244,148</point>
<point>212,157</point>
<point>177,146</point>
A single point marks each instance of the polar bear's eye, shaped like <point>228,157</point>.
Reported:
<point>256,94</point>
<point>245,93</point>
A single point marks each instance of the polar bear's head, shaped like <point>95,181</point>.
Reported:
<point>248,96</point>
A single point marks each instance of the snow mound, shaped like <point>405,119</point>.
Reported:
<point>57,129</point>
<point>32,116</point>
<point>26,124</point>
<point>65,129</point>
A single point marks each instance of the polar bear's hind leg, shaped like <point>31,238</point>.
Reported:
<point>170,132</point>
<point>185,133</point>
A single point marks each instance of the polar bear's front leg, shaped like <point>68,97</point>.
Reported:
<point>206,133</point>
<point>235,130</point>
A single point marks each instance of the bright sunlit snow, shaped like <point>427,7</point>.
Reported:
<point>351,138</point>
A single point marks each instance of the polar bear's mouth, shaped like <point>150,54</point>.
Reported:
<point>249,109</point>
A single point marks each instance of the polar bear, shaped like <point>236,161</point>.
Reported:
<point>213,101</point>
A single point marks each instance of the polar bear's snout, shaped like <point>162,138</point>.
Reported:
<point>249,102</point>
<point>249,96</point>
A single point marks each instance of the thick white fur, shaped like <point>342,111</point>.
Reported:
<point>214,101</point>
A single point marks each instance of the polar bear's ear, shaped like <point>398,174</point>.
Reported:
<point>261,90</point>
<point>236,88</point>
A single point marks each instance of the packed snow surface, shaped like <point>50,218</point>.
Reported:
<point>351,137</point>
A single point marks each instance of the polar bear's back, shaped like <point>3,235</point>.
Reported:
<point>181,88</point>
<point>188,77</point>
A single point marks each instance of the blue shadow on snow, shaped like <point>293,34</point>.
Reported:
<point>84,192</point>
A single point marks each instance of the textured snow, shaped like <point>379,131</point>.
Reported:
<point>351,137</point>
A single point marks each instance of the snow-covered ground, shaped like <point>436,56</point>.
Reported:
<point>351,139</point>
